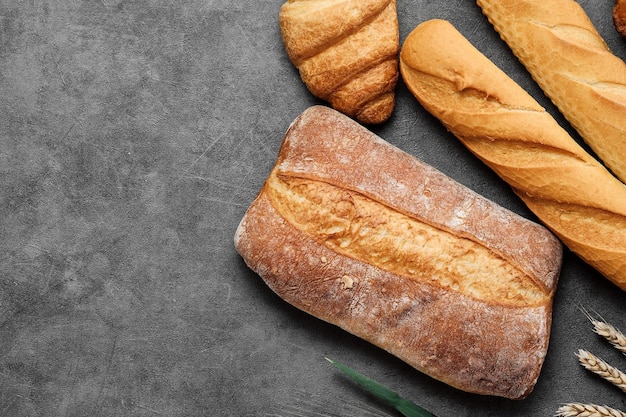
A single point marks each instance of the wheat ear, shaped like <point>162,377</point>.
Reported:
<point>610,333</point>
<point>587,410</point>
<point>603,369</point>
<point>607,331</point>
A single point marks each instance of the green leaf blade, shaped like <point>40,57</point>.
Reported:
<point>404,406</point>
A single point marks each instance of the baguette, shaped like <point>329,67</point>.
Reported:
<point>354,231</point>
<point>571,192</point>
<point>346,52</point>
<point>558,44</point>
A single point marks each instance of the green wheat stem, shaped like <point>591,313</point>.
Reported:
<point>404,406</point>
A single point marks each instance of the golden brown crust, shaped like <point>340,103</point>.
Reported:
<point>342,230</point>
<point>573,194</point>
<point>346,52</point>
<point>570,61</point>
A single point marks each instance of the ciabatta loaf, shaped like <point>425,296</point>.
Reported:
<point>364,236</point>
<point>346,52</point>
<point>570,61</point>
<point>572,193</point>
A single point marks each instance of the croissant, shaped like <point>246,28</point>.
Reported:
<point>346,52</point>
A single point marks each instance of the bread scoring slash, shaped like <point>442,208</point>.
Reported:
<point>362,235</point>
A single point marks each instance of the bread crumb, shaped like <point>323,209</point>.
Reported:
<point>347,282</point>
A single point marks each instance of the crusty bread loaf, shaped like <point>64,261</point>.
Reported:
<point>572,193</point>
<point>570,61</point>
<point>360,234</point>
<point>346,52</point>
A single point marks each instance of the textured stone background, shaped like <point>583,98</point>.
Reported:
<point>133,136</point>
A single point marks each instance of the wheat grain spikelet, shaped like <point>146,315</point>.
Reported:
<point>606,330</point>
<point>587,410</point>
<point>599,367</point>
<point>610,333</point>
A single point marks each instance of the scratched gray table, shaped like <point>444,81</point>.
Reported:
<point>133,136</point>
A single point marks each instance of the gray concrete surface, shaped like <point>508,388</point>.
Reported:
<point>133,136</point>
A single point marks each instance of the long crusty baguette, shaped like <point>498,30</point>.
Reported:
<point>570,61</point>
<point>346,52</point>
<point>362,235</point>
<point>572,193</point>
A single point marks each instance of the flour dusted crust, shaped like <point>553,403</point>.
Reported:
<point>362,235</point>
<point>346,52</point>
<point>569,191</point>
